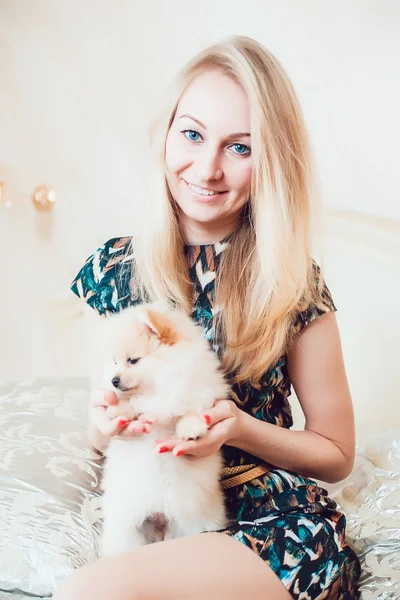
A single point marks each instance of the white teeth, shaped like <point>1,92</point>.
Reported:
<point>201,191</point>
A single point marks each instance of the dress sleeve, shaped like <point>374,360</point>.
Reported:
<point>314,310</point>
<point>104,281</point>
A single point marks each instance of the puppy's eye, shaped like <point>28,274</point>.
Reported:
<point>132,361</point>
<point>114,361</point>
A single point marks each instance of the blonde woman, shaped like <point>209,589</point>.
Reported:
<point>230,241</point>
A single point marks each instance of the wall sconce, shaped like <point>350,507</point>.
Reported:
<point>4,201</point>
<point>12,192</point>
<point>43,198</point>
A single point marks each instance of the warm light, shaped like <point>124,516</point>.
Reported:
<point>44,198</point>
<point>4,201</point>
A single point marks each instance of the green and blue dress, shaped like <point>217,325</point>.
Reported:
<point>287,519</point>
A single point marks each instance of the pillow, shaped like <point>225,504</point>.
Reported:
<point>370,499</point>
<point>49,484</point>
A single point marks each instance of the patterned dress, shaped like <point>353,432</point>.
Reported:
<point>287,519</point>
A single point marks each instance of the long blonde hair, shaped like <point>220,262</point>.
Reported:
<point>266,274</point>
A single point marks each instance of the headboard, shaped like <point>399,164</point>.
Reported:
<point>362,269</point>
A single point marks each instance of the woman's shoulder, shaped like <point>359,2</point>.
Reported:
<point>113,251</point>
<point>320,304</point>
<point>104,280</point>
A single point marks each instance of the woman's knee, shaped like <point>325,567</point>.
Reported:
<point>96,582</point>
<point>72,587</point>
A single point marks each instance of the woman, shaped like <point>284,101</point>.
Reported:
<point>229,240</point>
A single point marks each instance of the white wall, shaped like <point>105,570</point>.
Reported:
<point>79,83</point>
<point>362,265</point>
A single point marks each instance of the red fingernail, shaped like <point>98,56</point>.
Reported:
<point>179,453</point>
<point>123,422</point>
<point>207,419</point>
<point>162,449</point>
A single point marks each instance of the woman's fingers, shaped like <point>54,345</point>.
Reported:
<point>188,447</point>
<point>136,427</point>
<point>114,426</point>
<point>222,410</point>
<point>166,445</point>
<point>121,426</point>
<point>140,425</point>
<point>147,418</point>
<point>178,446</point>
<point>110,398</point>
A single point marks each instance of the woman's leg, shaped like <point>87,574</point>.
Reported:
<point>210,566</point>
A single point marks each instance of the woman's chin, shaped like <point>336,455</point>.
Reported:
<point>201,214</point>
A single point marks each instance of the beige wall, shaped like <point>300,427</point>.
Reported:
<point>79,83</point>
<point>362,263</point>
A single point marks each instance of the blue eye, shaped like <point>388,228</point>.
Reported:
<point>194,136</point>
<point>191,133</point>
<point>242,149</point>
<point>132,361</point>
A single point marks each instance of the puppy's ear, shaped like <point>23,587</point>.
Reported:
<point>160,325</point>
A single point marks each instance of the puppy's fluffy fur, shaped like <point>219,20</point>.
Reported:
<point>160,364</point>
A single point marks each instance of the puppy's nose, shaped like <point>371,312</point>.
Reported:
<point>116,381</point>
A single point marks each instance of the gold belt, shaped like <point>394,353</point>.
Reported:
<point>232,476</point>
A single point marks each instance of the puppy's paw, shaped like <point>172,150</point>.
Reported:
<point>191,427</point>
<point>113,411</point>
<point>122,409</point>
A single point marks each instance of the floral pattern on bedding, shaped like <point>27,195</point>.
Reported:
<point>48,526</point>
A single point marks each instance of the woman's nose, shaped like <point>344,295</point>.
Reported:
<point>208,166</point>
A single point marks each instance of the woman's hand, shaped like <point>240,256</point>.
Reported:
<point>120,427</point>
<point>223,421</point>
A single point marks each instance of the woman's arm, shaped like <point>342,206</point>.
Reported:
<point>325,449</point>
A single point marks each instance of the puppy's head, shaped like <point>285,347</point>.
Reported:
<point>133,338</point>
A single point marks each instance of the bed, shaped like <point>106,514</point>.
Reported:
<point>50,504</point>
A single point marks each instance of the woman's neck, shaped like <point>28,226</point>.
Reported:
<point>202,234</point>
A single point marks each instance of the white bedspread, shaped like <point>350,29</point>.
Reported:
<point>50,503</point>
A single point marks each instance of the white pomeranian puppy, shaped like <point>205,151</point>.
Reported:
<point>160,364</point>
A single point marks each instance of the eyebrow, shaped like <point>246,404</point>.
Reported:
<point>232,135</point>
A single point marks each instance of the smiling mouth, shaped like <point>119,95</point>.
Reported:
<point>203,193</point>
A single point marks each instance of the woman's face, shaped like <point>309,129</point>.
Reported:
<point>208,154</point>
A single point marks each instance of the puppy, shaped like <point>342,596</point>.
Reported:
<point>160,364</point>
